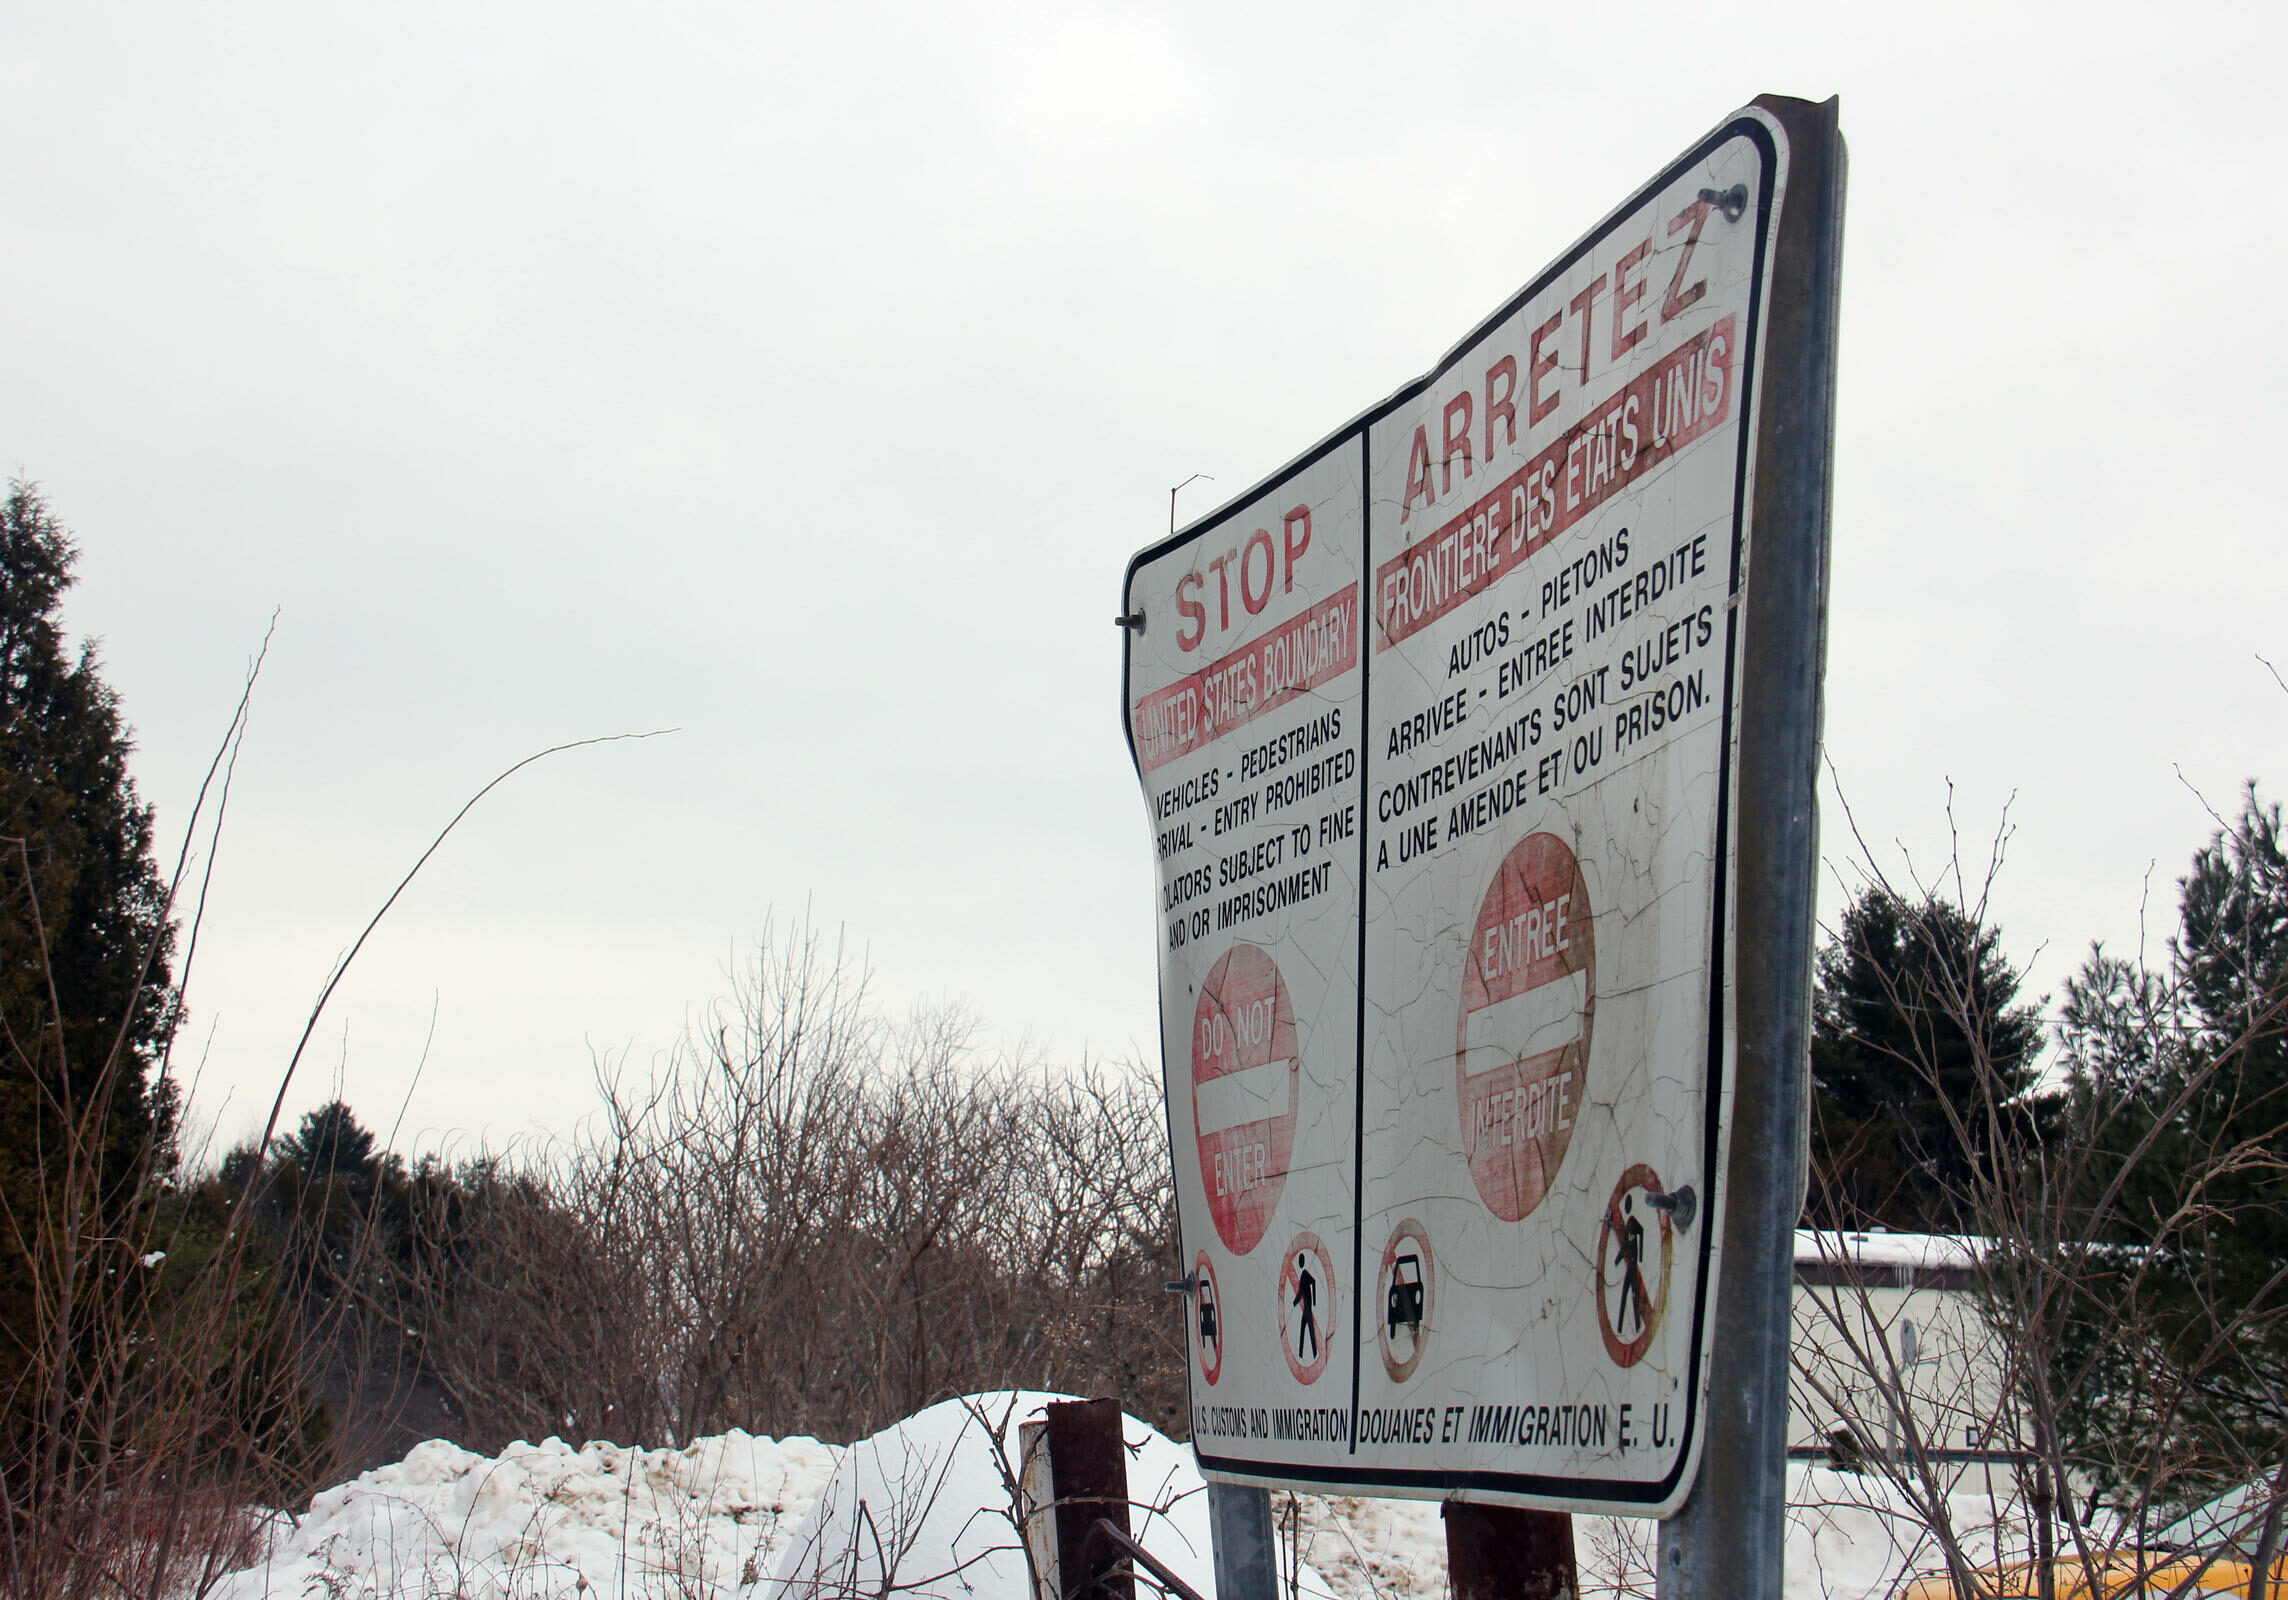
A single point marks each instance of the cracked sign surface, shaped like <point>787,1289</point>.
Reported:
<point>1438,733</point>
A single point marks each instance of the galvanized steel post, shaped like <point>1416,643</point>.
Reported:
<point>1246,1552</point>
<point>1726,1543</point>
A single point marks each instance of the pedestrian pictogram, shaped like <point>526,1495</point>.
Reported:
<point>1207,1319</point>
<point>1633,1264</point>
<point>1307,1307</point>
<point>1245,1079</point>
<point>1409,1288</point>
<point>1529,998</point>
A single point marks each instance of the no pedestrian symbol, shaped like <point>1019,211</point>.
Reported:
<point>1307,1307</point>
<point>1245,1080</point>
<point>1529,999</point>
<point>1635,1247</point>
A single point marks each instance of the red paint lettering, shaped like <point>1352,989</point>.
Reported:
<point>1191,611</point>
<point>1541,362</point>
<point>1254,602</point>
<point>1457,437</point>
<point>1418,473</point>
<point>1295,546</point>
<point>1585,304</point>
<point>1503,405</point>
<point>1680,299</point>
<point>1625,295</point>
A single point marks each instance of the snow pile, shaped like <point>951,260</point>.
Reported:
<point>745,1518</point>
<point>735,1517</point>
<point>550,1520</point>
<point>928,1509</point>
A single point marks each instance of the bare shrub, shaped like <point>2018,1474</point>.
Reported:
<point>153,1388</point>
<point>158,1376</point>
<point>807,1219</point>
<point>2124,1361</point>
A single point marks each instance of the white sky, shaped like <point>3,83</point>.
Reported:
<point>802,378</point>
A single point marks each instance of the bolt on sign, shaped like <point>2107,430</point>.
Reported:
<point>1439,729</point>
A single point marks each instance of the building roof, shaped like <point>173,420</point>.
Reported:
<point>1878,1259</point>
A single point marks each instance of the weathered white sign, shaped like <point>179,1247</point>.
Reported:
<point>1438,731</point>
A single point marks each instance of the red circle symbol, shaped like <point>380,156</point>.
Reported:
<point>1207,1319</point>
<point>1245,1080</point>
<point>1632,1280</point>
<point>1307,1307</point>
<point>1409,1284</point>
<point>1529,998</point>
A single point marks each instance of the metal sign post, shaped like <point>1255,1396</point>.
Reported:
<point>1727,1540</point>
<point>1500,1553</point>
<point>1246,1548</point>
<point>1476,744</point>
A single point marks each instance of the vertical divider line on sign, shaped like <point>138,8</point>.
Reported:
<point>1358,1051</point>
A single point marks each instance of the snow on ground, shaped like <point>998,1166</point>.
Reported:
<point>928,1508</point>
<point>1849,1538</point>
<point>731,1517</point>
<point>550,1520</point>
<point>744,1518</point>
<point>1371,1549</point>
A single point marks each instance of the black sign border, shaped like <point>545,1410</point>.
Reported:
<point>1536,1486</point>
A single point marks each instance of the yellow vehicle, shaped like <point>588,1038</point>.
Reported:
<point>2208,1554</point>
<point>2157,1575</point>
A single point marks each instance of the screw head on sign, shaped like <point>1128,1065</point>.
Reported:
<point>1681,1204</point>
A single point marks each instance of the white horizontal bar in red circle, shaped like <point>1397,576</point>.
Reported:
<point>1533,1023</point>
<point>1252,1094</point>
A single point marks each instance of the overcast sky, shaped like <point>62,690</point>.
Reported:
<point>801,378</point>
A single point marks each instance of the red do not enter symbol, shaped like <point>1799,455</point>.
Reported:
<point>1245,1080</point>
<point>1529,1001</point>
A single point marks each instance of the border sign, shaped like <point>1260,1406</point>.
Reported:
<point>1442,731</point>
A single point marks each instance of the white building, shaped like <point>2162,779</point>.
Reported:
<point>1889,1335</point>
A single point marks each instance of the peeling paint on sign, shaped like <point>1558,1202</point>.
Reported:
<point>1438,732</point>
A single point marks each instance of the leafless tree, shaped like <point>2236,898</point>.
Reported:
<point>807,1219</point>
<point>2095,1379</point>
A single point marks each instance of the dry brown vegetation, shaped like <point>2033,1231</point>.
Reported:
<point>806,1220</point>
<point>2128,1357</point>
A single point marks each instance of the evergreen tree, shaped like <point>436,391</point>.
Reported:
<point>330,1143</point>
<point>1922,1066</point>
<point>93,889</point>
<point>85,992</point>
<point>2183,1075</point>
<point>331,1201</point>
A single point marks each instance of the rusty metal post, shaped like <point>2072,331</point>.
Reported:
<point>1498,1553</point>
<point>1088,1472</point>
